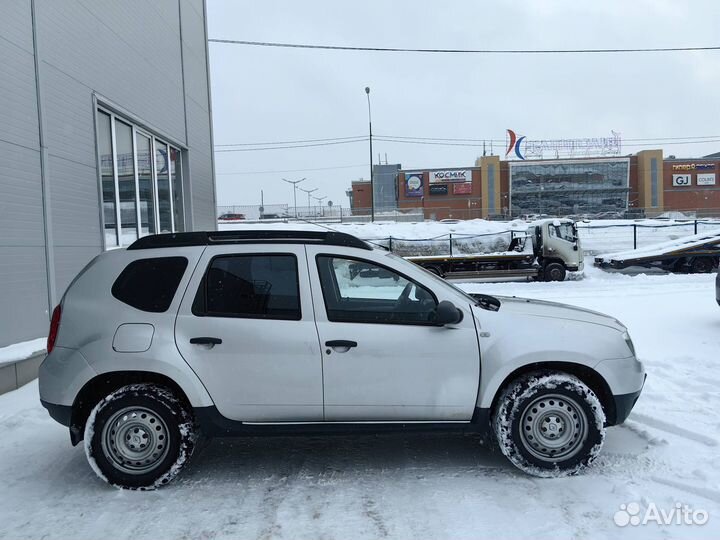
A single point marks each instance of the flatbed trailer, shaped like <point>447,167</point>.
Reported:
<point>547,251</point>
<point>698,253</point>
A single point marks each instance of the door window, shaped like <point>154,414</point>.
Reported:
<point>361,291</point>
<point>250,286</point>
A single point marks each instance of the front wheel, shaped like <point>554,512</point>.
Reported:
<point>139,437</point>
<point>554,272</point>
<point>549,424</point>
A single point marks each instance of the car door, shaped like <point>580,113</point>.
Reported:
<point>383,358</point>
<point>246,327</point>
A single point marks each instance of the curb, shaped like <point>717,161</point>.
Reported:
<point>16,374</point>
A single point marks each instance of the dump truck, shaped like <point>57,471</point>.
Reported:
<point>547,251</point>
<point>696,254</point>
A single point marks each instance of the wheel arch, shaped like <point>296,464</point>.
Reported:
<point>101,385</point>
<point>591,378</point>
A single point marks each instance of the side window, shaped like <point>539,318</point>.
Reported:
<point>361,291</point>
<point>250,286</point>
<point>150,284</point>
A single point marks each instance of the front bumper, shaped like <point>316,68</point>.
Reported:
<point>624,403</point>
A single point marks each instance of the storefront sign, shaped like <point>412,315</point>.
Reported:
<point>413,184</point>
<point>706,179</point>
<point>682,180</point>
<point>462,189</point>
<point>439,189</point>
<point>450,176</point>
<point>602,146</point>
<point>693,166</point>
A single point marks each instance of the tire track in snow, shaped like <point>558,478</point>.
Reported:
<point>712,494</point>
<point>671,428</point>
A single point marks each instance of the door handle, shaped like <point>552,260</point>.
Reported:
<point>205,341</point>
<point>341,343</point>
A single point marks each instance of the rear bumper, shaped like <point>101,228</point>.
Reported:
<point>60,413</point>
<point>624,403</point>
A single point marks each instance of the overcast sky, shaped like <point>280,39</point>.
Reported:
<point>270,94</point>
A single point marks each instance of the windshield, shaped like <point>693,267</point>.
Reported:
<point>566,231</point>
<point>442,281</point>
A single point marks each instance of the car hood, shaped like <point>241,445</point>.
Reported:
<point>556,310</point>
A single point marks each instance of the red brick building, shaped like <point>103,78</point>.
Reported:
<point>642,184</point>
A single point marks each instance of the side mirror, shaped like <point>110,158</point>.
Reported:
<point>447,313</point>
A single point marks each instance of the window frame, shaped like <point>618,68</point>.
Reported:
<point>374,263</point>
<point>199,306</point>
<point>136,128</point>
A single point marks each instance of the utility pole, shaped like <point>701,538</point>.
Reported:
<point>294,184</point>
<point>372,183</point>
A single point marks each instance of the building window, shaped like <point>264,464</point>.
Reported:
<point>491,189</point>
<point>141,177</point>
<point>653,182</point>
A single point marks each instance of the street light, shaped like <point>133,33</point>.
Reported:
<point>308,191</point>
<point>294,183</point>
<point>372,184</point>
<point>320,200</point>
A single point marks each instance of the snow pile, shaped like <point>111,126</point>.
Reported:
<point>22,350</point>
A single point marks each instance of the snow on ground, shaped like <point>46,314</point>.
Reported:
<point>412,486</point>
<point>22,350</point>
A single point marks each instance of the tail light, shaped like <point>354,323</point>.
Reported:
<point>54,326</point>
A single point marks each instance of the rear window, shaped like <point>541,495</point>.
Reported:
<point>150,284</point>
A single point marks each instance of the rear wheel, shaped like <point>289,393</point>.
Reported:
<point>549,424</point>
<point>139,437</point>
<point>554,272</point>
<point>702,265</point>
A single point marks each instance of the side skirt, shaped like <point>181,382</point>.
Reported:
<point>214,424</point>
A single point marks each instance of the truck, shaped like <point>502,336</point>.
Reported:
<point>697,254</point>
<point>547,251</point>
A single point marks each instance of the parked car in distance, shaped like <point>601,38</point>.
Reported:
<point>293,332</point>
<point>232,217</point>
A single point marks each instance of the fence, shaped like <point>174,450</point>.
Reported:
<point>595,237</point>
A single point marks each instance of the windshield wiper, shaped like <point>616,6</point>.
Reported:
<point>486,301</point>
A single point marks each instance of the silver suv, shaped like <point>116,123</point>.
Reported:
<point>266,332</point>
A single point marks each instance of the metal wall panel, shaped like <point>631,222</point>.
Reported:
<point>23,294</point>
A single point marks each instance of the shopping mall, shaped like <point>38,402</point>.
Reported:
<point>643,184</point>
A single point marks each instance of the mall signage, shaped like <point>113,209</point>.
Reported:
<point>705,179</point>
<point>439,189</point>
<point>693,166</point>
<point>682,180</point>
<point>437,177</point>
<point>414,184</point>
<point>462,189</point>
<point>601,146</point>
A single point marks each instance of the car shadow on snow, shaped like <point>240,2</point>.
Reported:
<point>240,459</point>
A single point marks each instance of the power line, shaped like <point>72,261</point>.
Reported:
<point>360,137</point>
<point>460,51</point>
<point>293,170</point>
<point>289,146</point>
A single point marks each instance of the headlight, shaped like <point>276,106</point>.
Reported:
<point>629,342</point>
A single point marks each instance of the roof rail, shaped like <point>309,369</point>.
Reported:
<point>210,238</point>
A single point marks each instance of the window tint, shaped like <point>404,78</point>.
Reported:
<point>150,284</point>
<point>250,286</point>
<point>361,291</point>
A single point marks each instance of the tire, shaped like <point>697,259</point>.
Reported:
<point>702,265</point>
<point>549,424</point>
<point>554,272</point>
<point>139,437</point>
